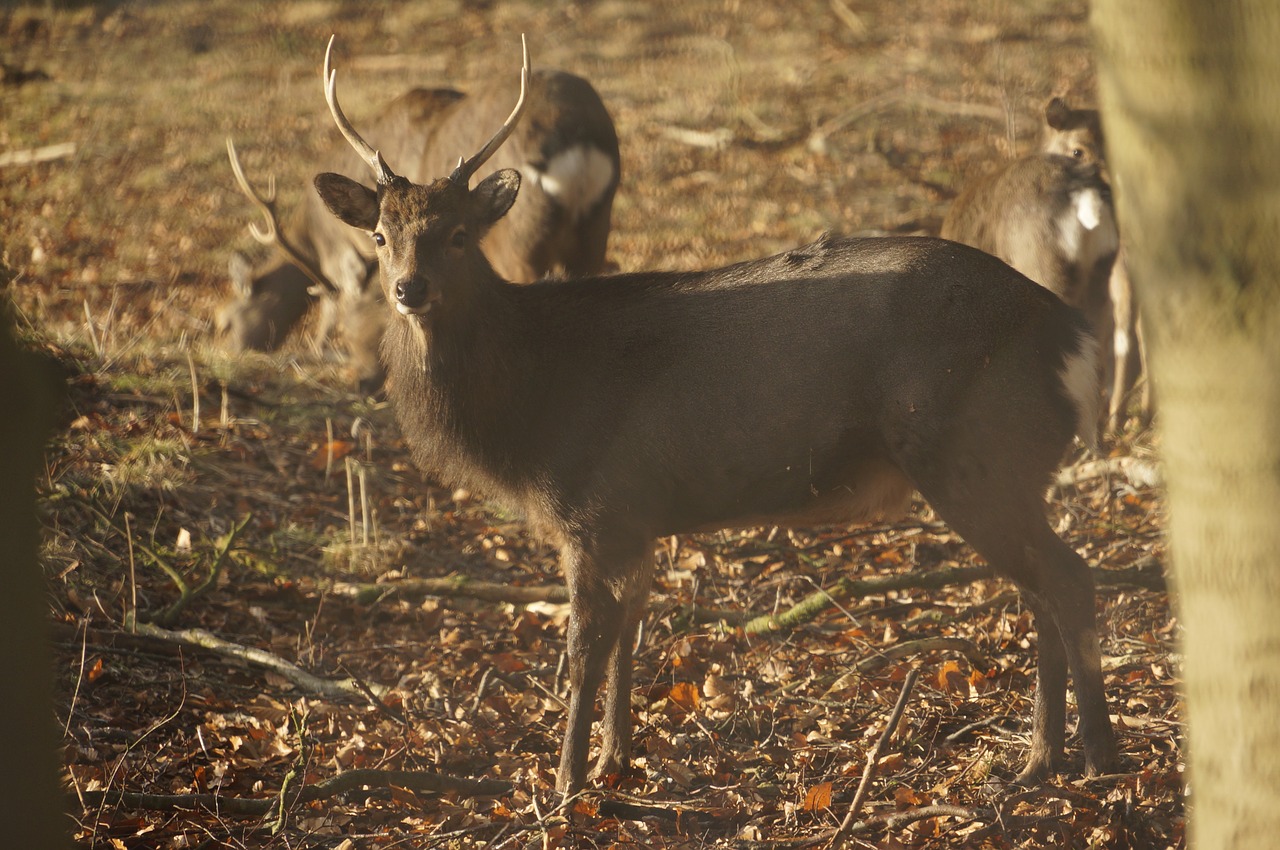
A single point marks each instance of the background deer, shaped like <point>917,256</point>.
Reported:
<point>1049,214</point>
<point>825,384</point>
<point>567,152</point>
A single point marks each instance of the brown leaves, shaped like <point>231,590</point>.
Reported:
<point>818,797</point>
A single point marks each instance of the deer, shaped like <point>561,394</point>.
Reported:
<point>568,152</point>
<point>825,384</point>
<point>1050,215</point>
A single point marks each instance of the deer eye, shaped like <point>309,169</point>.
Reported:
<point>458,239</point>
<point>379,239</point>
<point>1078,153</point>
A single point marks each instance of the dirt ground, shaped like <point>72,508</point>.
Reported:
<point>746,127</point>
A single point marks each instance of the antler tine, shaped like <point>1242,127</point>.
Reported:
<point>466,168</point>
<point>270,233</point>
<point>265,235</point>
<point>381,172</point>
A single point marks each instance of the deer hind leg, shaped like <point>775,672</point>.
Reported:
<point>1066,586</point>
<point>606,601</point>
<point>1016,540</point>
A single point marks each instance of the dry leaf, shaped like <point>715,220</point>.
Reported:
<point>952,679</point>
<point>818,797</point>
<point>684,695</point>
<point>330,453</point>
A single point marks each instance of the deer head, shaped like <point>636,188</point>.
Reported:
<point>426,236</point>
<point>1076,133</point>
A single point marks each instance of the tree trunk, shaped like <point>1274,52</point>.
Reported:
<point>1190,95</point>
<point>31,802</point>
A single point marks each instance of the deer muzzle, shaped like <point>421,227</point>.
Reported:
<point>412,296</point>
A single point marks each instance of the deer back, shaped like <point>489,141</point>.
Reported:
<point>566,150</point>
<point>1048,216</point>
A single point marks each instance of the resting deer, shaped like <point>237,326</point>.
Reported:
<point>821,385</point>
<point>1049,214</point>
<point>568,153</point>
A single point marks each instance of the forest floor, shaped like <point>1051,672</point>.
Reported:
<point>342,613</point>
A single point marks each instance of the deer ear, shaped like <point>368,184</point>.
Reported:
<point>1056,113</point>
<point>351,202</point>
<point>496,193</point>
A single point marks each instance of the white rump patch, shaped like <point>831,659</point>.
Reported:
<point>1087,228</point>
<point>1089,208</point>
<point>1080,380</point>
<point>576,178</point>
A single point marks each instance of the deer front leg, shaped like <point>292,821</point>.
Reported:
<point>615,743</point>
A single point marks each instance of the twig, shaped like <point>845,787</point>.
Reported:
<point>451,586</point>
<point>173,574</point>
<point>849,18</point>
<point>837,840</point>
<point>1146,573</point>
<point>31,156</point>
<point>1139,472</point>
<point>976,725</point>
<point>294,781</point>
<point>930,644</point>
<point>376,701</point>
<point>170,614</point>
<point>331,688</point>
<point>818,138</point>
<point>195,394</point>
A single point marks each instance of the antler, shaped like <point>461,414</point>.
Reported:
<point>270,235</point>
<point>381,172</point>
<point>466,168</point>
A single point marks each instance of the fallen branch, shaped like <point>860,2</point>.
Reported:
<point>849,588</point>
<point>48,153</point>
<point>1139,472</point>
<point>818,138</point>
<point>351,782</point>
<point>330,688</point>
<point>1146,573</point>
<point>451,586</point>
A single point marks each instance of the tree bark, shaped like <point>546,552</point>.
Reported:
<point>1191,101</point>
<point>31,805</point>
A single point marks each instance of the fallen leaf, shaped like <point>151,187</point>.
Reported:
<point>330,453</point>
<point>818,797</point>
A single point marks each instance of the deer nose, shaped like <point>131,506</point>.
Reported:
<point>411,295</point>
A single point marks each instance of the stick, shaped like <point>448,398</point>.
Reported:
<point>331,688</point>
<point>451,586</point>
<point>48,153</point>
<point>837,840</point>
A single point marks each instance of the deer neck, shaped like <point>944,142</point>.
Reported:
<point>457,387</point>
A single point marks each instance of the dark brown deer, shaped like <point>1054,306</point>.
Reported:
<point>567,152</point>
<point>825,384</point>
